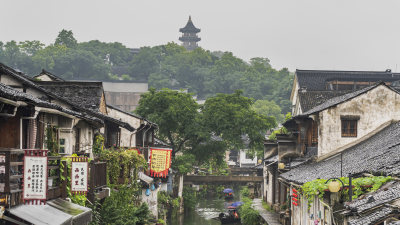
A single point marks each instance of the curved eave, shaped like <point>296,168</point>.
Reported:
<point>196,39</point>
<point>189,30</point>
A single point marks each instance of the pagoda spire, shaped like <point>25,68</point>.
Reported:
<point>189,38</point>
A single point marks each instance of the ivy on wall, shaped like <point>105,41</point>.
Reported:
<point>120,164</point>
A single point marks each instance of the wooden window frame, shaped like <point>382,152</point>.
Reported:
<point>346,124</point>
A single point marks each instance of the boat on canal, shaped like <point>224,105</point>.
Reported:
<point>232,215</point>
<point>228,193</point>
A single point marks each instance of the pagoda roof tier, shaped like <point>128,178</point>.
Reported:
<point>189,28</point>
<point>189,39</point>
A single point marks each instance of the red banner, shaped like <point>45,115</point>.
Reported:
<point>160,161</point>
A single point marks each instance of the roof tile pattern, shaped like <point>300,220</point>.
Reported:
<point>378,154</point>
<point>377,198</point>
<point>315,80</point>
<point>373,217</point>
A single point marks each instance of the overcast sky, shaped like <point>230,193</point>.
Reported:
<point>302,34</point>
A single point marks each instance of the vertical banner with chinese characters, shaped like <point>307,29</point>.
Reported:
<point>35,177</point>
<point>79,175</point>
<point>160,161</point>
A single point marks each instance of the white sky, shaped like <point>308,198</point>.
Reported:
<point>303,34</point>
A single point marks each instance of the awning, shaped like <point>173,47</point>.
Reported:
<point>57,212</point>
<point>145,178</point>
<point>80,214</point>
<point>41,214</point>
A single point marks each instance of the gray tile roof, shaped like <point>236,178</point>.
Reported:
<point>378,155</point>
<point>15,95</point>
<point>340,99</point>
<point>26,80</point>
<point>52,76</point>
<point>374,217</point>
<point>315,80</point>
<point>85,94</point>
<point>374,199</point>
<point>311,99</point>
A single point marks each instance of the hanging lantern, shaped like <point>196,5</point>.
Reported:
<point>259,161</point>
<point>148,192</point>
<point>334,186</point>
<point>281,166</point>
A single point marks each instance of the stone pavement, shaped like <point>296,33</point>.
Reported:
<point>270,217</point>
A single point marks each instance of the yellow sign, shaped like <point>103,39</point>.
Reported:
<point>160,162</point>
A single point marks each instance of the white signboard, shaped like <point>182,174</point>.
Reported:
<point>79,177</point>
<point>35,179</point>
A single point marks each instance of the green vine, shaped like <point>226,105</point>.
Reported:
<point>98,144</point>
<point>78,199</point>
<point>120,163</point>
<point>360,185</point>
<point>51,140</point>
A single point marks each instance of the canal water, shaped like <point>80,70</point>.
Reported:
<point>206,209</point>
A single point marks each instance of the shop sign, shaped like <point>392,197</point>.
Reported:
<point>35,177</point>
<point>79,175</point>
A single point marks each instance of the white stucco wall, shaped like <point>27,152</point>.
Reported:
<point>270,188</point>
<point>8,80</point>
<point>44,77</point>
<point>151,201</point>
<point>127,139</point>
<point>244,161</point>
<point>375,108</point>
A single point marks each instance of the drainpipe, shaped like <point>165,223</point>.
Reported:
<point>20,125</point>
<point>144,134</point>
<point>135,132</point>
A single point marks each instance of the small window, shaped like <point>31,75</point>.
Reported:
<point>349,128</point>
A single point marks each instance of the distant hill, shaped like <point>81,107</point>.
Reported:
<point>167,66</point>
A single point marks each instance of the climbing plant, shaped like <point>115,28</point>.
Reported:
<point>120,163</point>
<point>79,199</point>
<point>51,140</point>
<point>360,185</point>
<point>98,144</point>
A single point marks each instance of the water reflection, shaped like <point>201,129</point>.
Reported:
<point>206,209</point>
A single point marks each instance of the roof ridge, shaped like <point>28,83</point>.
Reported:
<point>346,71</point>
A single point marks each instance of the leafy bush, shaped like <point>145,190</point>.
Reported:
<point>248,215</point>
<point>189,197</point>
<point>245,192</point>
<point>121,208</point>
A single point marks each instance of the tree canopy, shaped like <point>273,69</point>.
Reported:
<point>200,71</point>
<point>205,132</point>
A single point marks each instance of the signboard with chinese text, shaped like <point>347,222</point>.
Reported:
<point>160,161</point>
<point>35,177</point>
<point>79,175</point>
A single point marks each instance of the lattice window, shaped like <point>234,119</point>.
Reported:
<point>349,128</point>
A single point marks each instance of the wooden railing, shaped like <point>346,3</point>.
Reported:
<point>98,175</point>
<point>11,163</point>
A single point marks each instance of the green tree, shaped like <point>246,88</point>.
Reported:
<point>31,47</point>
<point>66,37</point>
<point>230,117</point>
<point>176,114</point>
<point>269,109</point>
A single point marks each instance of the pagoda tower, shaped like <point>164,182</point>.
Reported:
<point>189,38</point>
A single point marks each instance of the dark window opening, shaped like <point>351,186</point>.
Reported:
<point>349,128</point>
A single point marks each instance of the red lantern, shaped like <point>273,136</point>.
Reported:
<point>295,203</point>
<point>294,190</point>
<point>294,199</point>
<point>294,195</point>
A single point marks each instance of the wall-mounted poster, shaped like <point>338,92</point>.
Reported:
<point>79,175</point>
<point>160,161</point>
<point>35,177</point>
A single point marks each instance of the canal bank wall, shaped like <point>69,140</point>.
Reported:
<point>270,217</point>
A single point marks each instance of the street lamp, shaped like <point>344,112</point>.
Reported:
<point>334,186</point>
